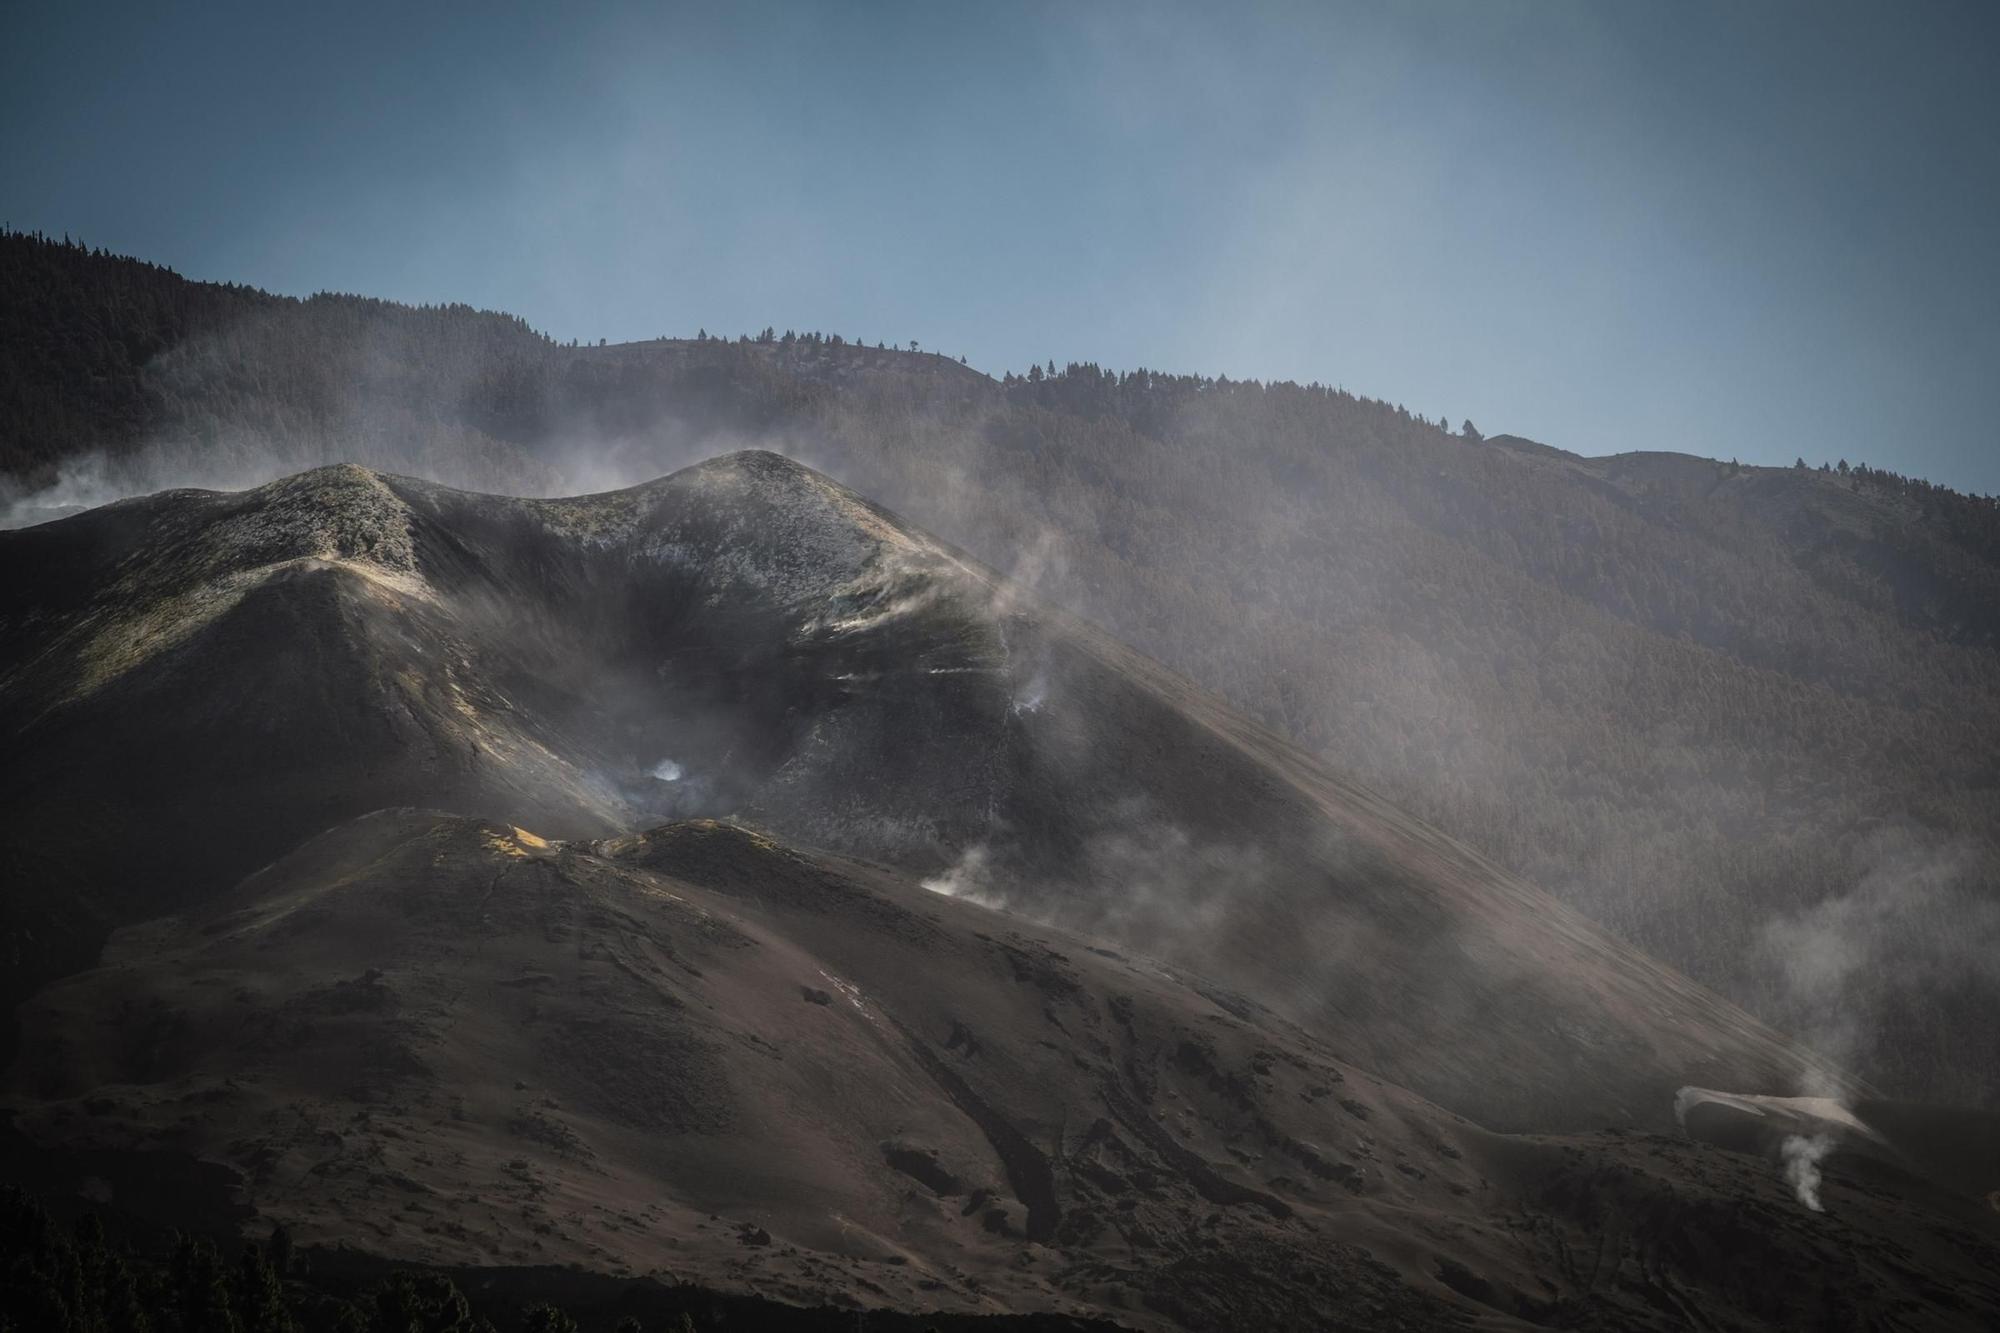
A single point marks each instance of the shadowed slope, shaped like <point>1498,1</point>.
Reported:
<point>197,681</point>
<point>700,1052</point>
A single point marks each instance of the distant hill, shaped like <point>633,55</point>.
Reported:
<point>1749,718</point>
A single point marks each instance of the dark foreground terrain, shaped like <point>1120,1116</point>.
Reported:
<point>65,1272</point>
<point>721,882</point>
<point>697,1055</point>
<point>696,1052</point>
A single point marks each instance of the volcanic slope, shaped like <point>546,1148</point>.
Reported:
<point>698,1052</point>
<point>193,682</point>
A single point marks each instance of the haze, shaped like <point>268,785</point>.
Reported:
<point>1738,231</point>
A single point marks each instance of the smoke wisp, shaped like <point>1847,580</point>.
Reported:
<point>1802,1155</point>
<point>1919,933</point>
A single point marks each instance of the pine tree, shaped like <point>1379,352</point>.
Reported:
<point>547,1319</point>
<point>279,1248</point>
<point>428,1304</point>
<point>260,1295</point>
<point>199,1287</point>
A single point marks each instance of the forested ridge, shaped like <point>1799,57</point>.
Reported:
<point>1748,717</point>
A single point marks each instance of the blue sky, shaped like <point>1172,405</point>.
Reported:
<point>1748,229</point>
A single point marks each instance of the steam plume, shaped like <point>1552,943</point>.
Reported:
<point>1802,1155</point>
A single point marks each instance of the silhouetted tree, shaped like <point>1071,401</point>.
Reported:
<point>260,1295</point>
<point>200,1289</point>
<point>547,1319</point>
<point>423,1304</point>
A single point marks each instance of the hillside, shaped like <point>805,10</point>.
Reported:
<point>801,912</point>
<point>197,681</point>
<point>1746,718</point>
<point>698,1054</point>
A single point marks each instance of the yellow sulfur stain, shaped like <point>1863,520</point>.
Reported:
<point>758,840</point>
<point>519,844</point>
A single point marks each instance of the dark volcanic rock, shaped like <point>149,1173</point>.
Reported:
<point>468,1045</point>
<point>193,682</point>
<point>582,1007</point>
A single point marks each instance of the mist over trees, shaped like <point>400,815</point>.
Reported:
<point>1747,717</point>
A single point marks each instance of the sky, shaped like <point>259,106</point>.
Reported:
<point>1751,230</point>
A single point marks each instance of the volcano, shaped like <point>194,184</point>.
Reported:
<point>723,877</point>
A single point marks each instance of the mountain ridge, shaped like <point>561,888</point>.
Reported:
<point>806,660</point>
<point>1730,713</point>
<point>1109,1003</point>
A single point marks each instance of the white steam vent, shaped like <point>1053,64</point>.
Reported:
<point>1806,1131</point>
<point>969,878</point>
<point>1802,1154</point>
<point>1029,699</point>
